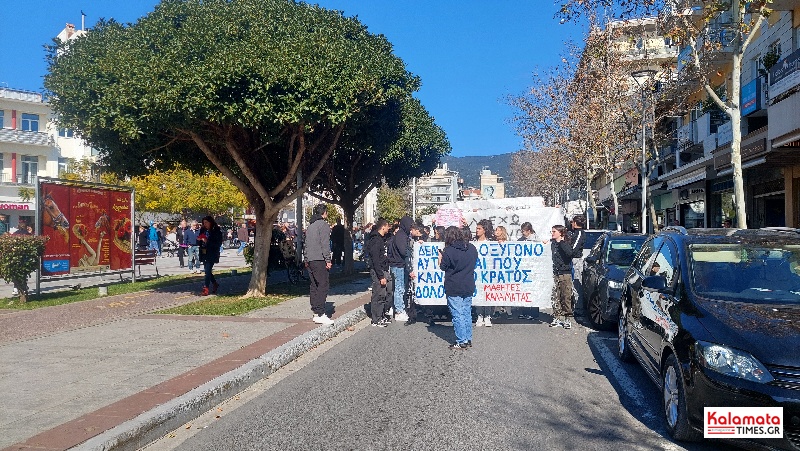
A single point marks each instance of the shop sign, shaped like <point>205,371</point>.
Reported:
<point>4,206</point>
<point>751,97</point>
<point>691,195</point>
<point>785,74</point>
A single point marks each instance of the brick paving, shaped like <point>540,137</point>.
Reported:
<point>71,372</point>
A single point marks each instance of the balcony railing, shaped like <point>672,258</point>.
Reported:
<point>14,136</point>
<point>667,51</point>
<point>16,94</point>
<point>8,179</point>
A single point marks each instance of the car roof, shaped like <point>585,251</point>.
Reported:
<point>754,236</point>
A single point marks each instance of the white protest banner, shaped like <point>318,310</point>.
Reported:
<point>515,273</point>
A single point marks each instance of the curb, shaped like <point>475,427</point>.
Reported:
<point>154,424</point>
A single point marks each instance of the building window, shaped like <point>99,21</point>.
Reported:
<point>65,132</point>
<point>775,48</point>
<point>2,124</point>
<point>30,122</point>
<point>63,163</point>
<point>30,168</point>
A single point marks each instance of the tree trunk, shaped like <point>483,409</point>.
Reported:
<point>653,218</point>
<point>616,202</point>
<point>349,213</point>
<point>736,145</point>
<point>258,279</point>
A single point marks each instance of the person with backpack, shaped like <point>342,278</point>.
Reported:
<point>578,239</point>
<point>458,259</point>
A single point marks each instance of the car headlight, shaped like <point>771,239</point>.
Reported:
<point>731,362</point>
<point>614,284</point>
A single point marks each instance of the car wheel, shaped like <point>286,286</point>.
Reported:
<point>674,402</point>
<point>595,310</point>
<point>623,341</point>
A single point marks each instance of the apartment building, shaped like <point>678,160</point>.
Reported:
<point>437,188</point>
<point>31,145</point>
<point>492,185</point>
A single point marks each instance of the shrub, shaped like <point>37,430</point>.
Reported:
<point>248,252</point>
<point>19,257</point>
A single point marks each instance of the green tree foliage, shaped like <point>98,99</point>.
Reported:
<point>19,257</point>
<point>185,192</point>
<point>259,89</point>
<point>394,142</point>
<point>393,203</point>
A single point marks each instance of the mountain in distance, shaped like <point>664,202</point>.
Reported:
<point>469,168</point>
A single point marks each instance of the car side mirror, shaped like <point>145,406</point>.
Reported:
<point>655,283</point>
<point>590,259</point>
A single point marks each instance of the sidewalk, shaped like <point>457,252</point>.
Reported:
<point>110,372</point>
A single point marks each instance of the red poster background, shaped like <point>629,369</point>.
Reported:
<point>121,228</point>
<point>97,236</point>
<point>55,200</point>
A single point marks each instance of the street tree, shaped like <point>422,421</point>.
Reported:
<point>392,143</point>
<point>261,90</point>
<point>393,203</point>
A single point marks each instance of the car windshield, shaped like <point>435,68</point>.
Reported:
<point>622,252</point>
<point>746,273</point>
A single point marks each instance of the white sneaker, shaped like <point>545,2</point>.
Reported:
<point>390,312</point>
<point>479,322</point>
<point>401,317</point>
<point>14,292</point>
<point>487,321</point>
<point>322,319</point>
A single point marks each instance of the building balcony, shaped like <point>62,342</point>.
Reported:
<point>665,52</point>
<point>14,136</point>
<point>16,94</point>
<point>7,179</point>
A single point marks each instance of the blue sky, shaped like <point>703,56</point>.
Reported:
<point>470,54</point>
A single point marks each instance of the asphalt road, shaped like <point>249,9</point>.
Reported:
<point>522,386</point>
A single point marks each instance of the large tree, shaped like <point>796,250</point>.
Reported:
<point>259,89</point>
<point>391,143</point>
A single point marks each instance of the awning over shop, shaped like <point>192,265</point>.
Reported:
<point>695,175</point>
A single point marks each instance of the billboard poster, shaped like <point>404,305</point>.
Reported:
<point>89,227</point>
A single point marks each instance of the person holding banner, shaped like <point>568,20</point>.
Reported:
<point>458,260</point>
<point>562,273</point>
<point>399,265</point>
<point>484,232</point>
<point>528,234</point>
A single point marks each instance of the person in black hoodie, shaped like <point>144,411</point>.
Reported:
<point>457,260</point>
<point>398,253</point>
<point>379,271</point>
<point>562,275</point>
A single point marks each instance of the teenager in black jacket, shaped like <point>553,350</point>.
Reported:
<point>457,260</point>
<point>562,274</point>
<point>379,271</point>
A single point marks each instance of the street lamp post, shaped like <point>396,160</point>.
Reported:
<point>643,78</point>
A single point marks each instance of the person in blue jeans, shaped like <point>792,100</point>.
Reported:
<point>210,240</point>
<point>398,252</point>
<point>154,235</point>
<point>457,260</point>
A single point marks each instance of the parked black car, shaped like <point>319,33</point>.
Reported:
<point>713,316</point>
<point>591,236</point>
<point>603,272</point>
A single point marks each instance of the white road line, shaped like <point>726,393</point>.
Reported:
<point>625,382</point>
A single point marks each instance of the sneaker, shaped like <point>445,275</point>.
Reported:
<point>322,319</point>
<point>204,292</point>
<point>387,319</point>
<point>390,312</point>
<point>469,343</point>
<point>567,324</point>
<point>556,323</point>
<point>479,322</point>
<point>379,324</point>
<point>458,346</point>
<point>15,292</point>
<point>487,321</point>
<point>402,316</point>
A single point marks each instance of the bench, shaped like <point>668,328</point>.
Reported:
<point>145,257</point>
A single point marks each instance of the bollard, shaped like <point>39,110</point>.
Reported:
<point>102,291</point>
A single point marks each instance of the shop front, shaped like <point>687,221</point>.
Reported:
<point>692,205</point>
<point>15,215</point>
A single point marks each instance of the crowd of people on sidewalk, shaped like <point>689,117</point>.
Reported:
<point>388,251</point>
